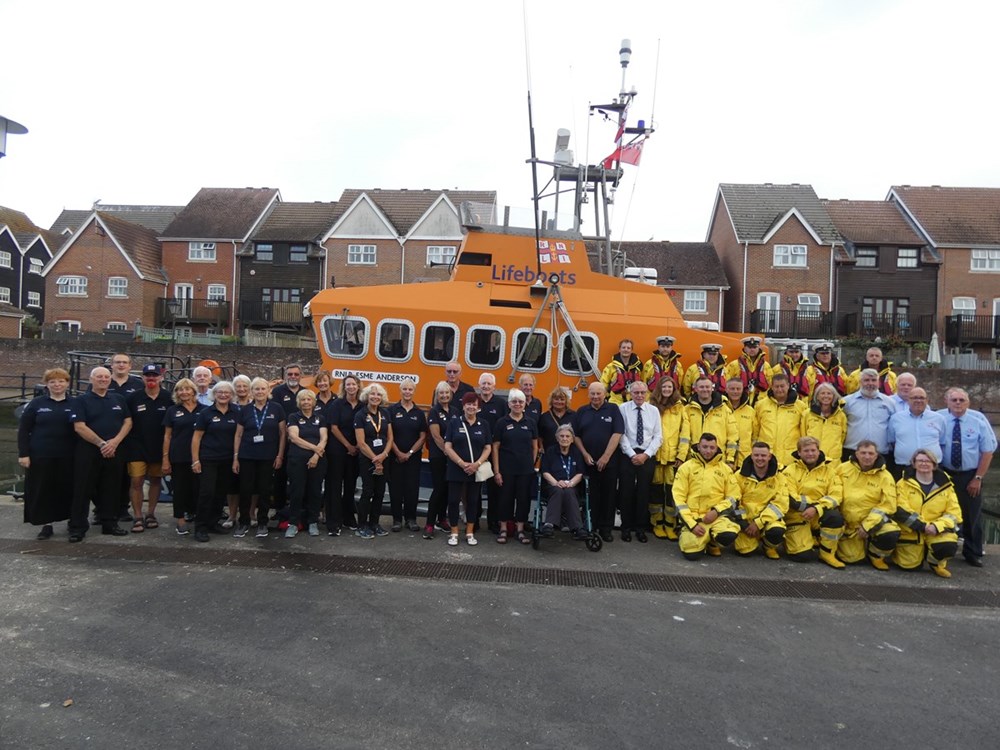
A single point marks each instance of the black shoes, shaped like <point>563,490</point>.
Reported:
<point>201,536</point>
<point>975,562</point>
<point>607,537</point>
<point>626,535</point>
<point>75,537</point>
<point>45,533</point>
<point>640,536</point>
<point>113,531</point>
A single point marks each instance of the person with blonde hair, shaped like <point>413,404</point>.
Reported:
<point>178,424</point>
<point>373,430</point>
<point>212,457</point>
<point>409,432</point>
<point>826,421</point>
<point>259,451</point>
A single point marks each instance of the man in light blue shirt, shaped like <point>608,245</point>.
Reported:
<point>917,427</point>
<point>904,384</point>
<point>639,444</point>
<point>868,414</point>
<point>967,449</point>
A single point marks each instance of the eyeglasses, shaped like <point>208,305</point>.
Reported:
<point>451,372</point>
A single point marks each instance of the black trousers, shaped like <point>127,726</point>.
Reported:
<point>184,489</point>
<point>216,479</point>
<point>459,493</point>
<point>98,478</point>
<point>305,489</point>
<point>973,530</point>
<point>437,506</point>
<point>515,497</point>
<point>404,488</point>
<point>372,494</point>
<point>635,483</point>
<point>338,489</point>
<point>603,493</point>
<point>256,478</point>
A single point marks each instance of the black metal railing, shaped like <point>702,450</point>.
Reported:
<point>900,325</point>
<point>962,330</point>
<point>271,313</point>
<point>184,311</point>
<point>792,323</point>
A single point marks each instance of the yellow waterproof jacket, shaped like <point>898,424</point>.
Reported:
<point>718,420</point>
<point>886,379</point>
<point>869,498</point>
<point>819,487</point>
<point>701,485</point>
<point>796,372</point>
<point>746,419</point>
<point>755,374</point>
<point>830,431</point>
<point>657,368</point>
<point>915,510</point>
<point>676,434</point>
<point>617,376</point>
<point>762,499</point>
<point>701,367</point>
<point>835,376</point>
<point>780,425</point>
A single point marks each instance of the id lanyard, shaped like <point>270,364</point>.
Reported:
<point>260,422</point>
<point>567,463</point>
<point>377,440</point>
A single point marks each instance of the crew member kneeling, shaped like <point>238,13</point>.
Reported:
<point>868,506</point>
<point>763,503</point>
<point>706,493</point>
<point>814,492</point>
<point>928,513</point>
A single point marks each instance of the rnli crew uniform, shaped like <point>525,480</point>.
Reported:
<point>342,467</point>
<point>437,504</point>
<point>184,482</point>
<point>716,419</point>
<point>780,425</point>
<point>377,429</point>
<point>795,369</point>
<point>257,452</point>
<point>821,488</point>
<point>491,411</point>
<point>45,435</point>
<point>548,423</point>
<point>125,389</point>
<point>461,486</point>
<point>869,503</point>
<point>305,485</point>
<point>676,431</point>
<point>764,503</point>
<point>659,366</point>
<point>746,423</point>
<point>754,371</point>
<point>532,409</point>
<point>284,397</point>
<point>829,430</point>
<point>833,373</point>
<point>918,505</point>
<point>515,443</point>
<point>95,476</point>
<point>703,368</point>
<point>595,428</point>
<point>216,456</point>
<point>145,440</point>
<point>886,378</point>
<point>618,376</point>
<point>408,429</point>
<point>700,487</point>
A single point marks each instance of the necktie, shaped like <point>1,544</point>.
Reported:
<point>956,446</point>
<point>638,426</point>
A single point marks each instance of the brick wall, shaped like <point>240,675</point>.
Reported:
<point>389,258</point>
<point>199,274</point>
<point>731,254</point>
<point>956,279</point>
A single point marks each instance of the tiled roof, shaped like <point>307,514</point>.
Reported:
<point>139,243</point>
<point>156,218</point>
<point>405,207</point>
<point>954,216</point>
<point>872,222</point>
<point>220,214</point>
<point>681,264</point>
<point>16,221</point>
<point>755,209</point>
<point>298,222</point>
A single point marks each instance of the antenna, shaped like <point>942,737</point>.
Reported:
<point>531,137</point>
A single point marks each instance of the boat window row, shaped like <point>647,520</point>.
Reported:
<point>481,347</point>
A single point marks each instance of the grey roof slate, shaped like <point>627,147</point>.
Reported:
<point>954,215</point>
<point>156,218</point>
<point>403,208</point>
<point>680,264</point>
<point>298,222</point>
<point>755,209</point>
<point>220,214</point>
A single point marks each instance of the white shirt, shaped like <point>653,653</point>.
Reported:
<point>652,431</point>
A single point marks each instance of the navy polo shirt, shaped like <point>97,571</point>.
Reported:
<point>407,426</point>
<point>181,423</point>
<point>533,409</point>
<point>219,433</point>
<point>340,414</point>
<point>562,467</point>
<point>45,429</point>
<point>479,436</point>
<point>548,423</point>
<point>134,384</point>
<point>105,415</point>
<point>517,439</point>
<point>490,411</point>
<point>375,426</point>
<point>439,416</point>
<point>145,440</point>
<point>283,396</point>
<point>265,422</point>
<point>595,427</point>
<point>309,430</point>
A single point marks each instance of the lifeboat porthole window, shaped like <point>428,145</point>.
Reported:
<point>570,360</point>
<point>484,347</point>
<point>345,337</point>
<point>536,350</point>
<point>395,340</point>
<point>439,344</point>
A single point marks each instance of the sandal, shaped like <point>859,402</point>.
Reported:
<point>523,538</point>
<point>502,537</point>
<point>150,522</point>
<point>138,526</point>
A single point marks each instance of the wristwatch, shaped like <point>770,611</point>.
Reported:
<point>978,478</point>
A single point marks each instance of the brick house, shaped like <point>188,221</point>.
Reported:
<point>397,236</point>
<point>689,272</point>
<point>886,285</point>
<point>284,265</point>
<point>962,225</point>
<point>779,249</point>
<point>107,276</point>
<point>199,250</point>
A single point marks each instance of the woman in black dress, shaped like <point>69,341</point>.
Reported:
<point>45,447</point>
<point>179,422</point>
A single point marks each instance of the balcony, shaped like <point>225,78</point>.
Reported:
<point>965,330</point>
<point>279,314</point>
<point>792,323</point>
<point>211,312</point>
<point>900,325</point>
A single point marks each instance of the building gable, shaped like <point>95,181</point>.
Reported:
<point>440,222</point>
<point>363,220</point>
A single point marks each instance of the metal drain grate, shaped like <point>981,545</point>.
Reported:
<point>311,562</point>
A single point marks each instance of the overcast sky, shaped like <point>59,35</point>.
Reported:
<point>136,102</point>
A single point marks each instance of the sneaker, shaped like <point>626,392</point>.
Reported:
<point>352,525</point>
<point>227,524</point>
<point>397,526</point>
<point>314,529</point>
<point>471,540</point>
<point>453,540</point>
<point>429,531</point>
<point>547,529</point>
<point>182,530</point>
<point>365,533</point>
<point>283,526</point>
<point>444,526</point>
<point>581,535</point>
<point>379,531</point>
<point>261,531</point>
<point>241,530</point>
<point>291,531</point>
<point>201,536</point>
<point>412,526</point>
<point>333,532</point>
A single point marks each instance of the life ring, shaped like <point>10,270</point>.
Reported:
<point>212,365</point>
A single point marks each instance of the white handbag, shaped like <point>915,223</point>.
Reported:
<point>485,471</point>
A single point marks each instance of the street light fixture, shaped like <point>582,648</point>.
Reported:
<point>9,127</point>
<point>174,307</point>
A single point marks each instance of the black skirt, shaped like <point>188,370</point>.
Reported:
<point>48,490</point>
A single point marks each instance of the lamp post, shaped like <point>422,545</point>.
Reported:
<point>9,127</point>
<point>174,307</point>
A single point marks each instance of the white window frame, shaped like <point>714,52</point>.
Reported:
<point>873,258</point>
<point>809,305</point>
<point>75,286</point>
<point>6,259</point>
<point>908,261</point>
<point>772,314</point>
<point>564,340</point>
<point>693,303</point>
<point>548,349</point>
<point>201,252</point>
<point>213,295</point>
<point>5,294</point>
<point>118,290</point>
<point>73,326</point>
<point>115,325</point>
<point>34,299</point>
<point>357,255</point>
<point>964,307</point>
<point>35,265</point>
<point>336,319</point>
<point>423,341</point>
<point>269,252</point>
<point>468,346</point>
<point>439,254</point>
<point>985,261</point>
<point>409,339</point>
<point>304,253</point>
<point>787,256</point>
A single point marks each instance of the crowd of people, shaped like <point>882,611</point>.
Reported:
<point>801,457</point>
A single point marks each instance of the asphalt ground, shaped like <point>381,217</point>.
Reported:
<point>160,641</point>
